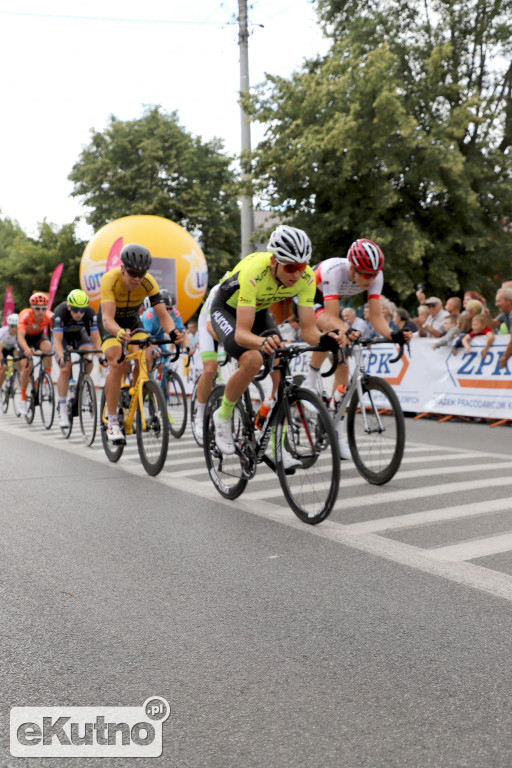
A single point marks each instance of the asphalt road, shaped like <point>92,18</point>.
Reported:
<point>379,638</point>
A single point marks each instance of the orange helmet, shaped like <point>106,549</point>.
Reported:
<point>38,300</point>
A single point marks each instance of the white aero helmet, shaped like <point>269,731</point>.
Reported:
<point>12,320</point>
<point>290,245</point>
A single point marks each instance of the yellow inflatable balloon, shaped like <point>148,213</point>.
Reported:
<point>178,262</point>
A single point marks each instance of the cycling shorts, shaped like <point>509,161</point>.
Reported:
<point>223,320</point>
<point>130,323</point>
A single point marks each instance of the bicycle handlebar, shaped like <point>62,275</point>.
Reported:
<point>381,340</point>
<point>146,342</point>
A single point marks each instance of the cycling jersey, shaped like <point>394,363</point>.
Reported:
<point>64,322</point>
<point>152,325</point>
<point>250,284</point>
<point>333,281</point>
<point>7,340</point>
<point>127,302</point>
<point>27,322</point>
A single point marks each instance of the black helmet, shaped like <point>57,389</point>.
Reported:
<point>135,256</point>
<point>169,299</point>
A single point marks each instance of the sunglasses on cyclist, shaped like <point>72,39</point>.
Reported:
<point>133,272</point>
<point>291,268</point>
<point>40,309</point>
<point>79,311</point>
<point>366,275</point>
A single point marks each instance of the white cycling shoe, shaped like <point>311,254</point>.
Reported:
<point>23,407</point>
<point>344,449</point>
<point>115,435</point>
<point>289,462</point>
<point>63,417</point>
<point>223,436</point>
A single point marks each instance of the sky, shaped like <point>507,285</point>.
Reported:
<point>65,68</point>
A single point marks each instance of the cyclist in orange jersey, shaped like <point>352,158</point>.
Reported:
<point>31,327</point>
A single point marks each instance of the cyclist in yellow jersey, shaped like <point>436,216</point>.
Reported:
<point>123,291</point>
<point>239,314</point>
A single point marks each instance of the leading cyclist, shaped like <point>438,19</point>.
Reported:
<point>123,290</point>
<point>239,314</point>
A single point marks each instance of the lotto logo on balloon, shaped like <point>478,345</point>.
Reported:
<point>178,262</point>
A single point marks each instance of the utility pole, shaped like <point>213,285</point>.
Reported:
<point>247,217</point>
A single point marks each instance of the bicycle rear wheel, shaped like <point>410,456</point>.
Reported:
<point>87,409</point>
<point>47,400</point>
<point>226,471</point>
<point>305,430</point>
<point>176,400</point>
<point>376,431</point>
<point>153,436</point>
<point>113,452</point>
<point>31,400</point>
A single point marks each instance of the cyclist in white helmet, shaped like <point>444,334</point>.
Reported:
<point>7,343</point>
<point>239,314</point>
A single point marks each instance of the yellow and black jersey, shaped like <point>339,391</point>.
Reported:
<point>127,302</point>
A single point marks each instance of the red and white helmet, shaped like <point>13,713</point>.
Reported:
<point>39,300</point>
<point>365,256</point>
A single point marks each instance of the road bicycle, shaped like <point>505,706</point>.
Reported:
<point>255,391</point>
<point>81,399</point>
<point>175,394</point>
<point>374,418</point>
<point>10,387</point>
<point>299,424</point>
<point>40,391</point>
<point>141,410</point>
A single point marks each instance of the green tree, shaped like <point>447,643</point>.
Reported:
<point>28,263</point>
<point>152,166</point>
<point>397,134</point>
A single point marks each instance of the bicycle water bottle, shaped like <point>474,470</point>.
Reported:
<point>263,412</point>
<point>338,394</point>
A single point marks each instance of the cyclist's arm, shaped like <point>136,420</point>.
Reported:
<point>165,318</point>
<point>108,314</point>
<point>308,329</point>
<point>58,347</point>
<point>330,320</point>
<point>244,336</point>
<point>22,341</point>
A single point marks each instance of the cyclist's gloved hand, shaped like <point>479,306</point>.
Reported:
<point>174,335</point>
<point>328,343</point>
<point>397,337</point>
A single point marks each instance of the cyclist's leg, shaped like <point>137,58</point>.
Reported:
<point>46,347</point>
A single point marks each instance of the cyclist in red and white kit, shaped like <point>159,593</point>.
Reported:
<point>338,278</point>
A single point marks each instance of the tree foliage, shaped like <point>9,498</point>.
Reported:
<point>152,166</point>
<point>398,134</point>
<point>28,263</point>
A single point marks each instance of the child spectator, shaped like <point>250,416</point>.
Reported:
<point>451,331</point>
<point>478,328</point>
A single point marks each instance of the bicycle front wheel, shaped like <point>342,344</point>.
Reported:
<point>16,394</point>
<point>225,470</point>
<point>176,400</point>
<point>153,435</point>
<point>47,400</point>
<point>87,409</point>
<point>376,431</point>
<point>5,394</point>
<point>113,452</point>
<point>305,434</point>
<point>31,400</point>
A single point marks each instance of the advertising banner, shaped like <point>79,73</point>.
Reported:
<point>8,304</point>
<point>54,283</point>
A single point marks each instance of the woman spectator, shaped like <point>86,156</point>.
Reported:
<point>403,321</point>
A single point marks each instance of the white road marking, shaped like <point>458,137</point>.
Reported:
<point>470,550</point>
<point>467,574</point>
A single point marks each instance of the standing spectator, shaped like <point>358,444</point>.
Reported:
<point>478,328</point>
<point>473,296</point>
<point>419,321</point>
<point>351,320</point>
<point>451,330</point>
<point>433,326</point>
<point>193,335</point>
<point>453,305</point>
<point>504,304</point>
<point>403,321</point>
<point>387,309</point>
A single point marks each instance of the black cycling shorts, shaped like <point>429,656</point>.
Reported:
<point>223,320</point>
